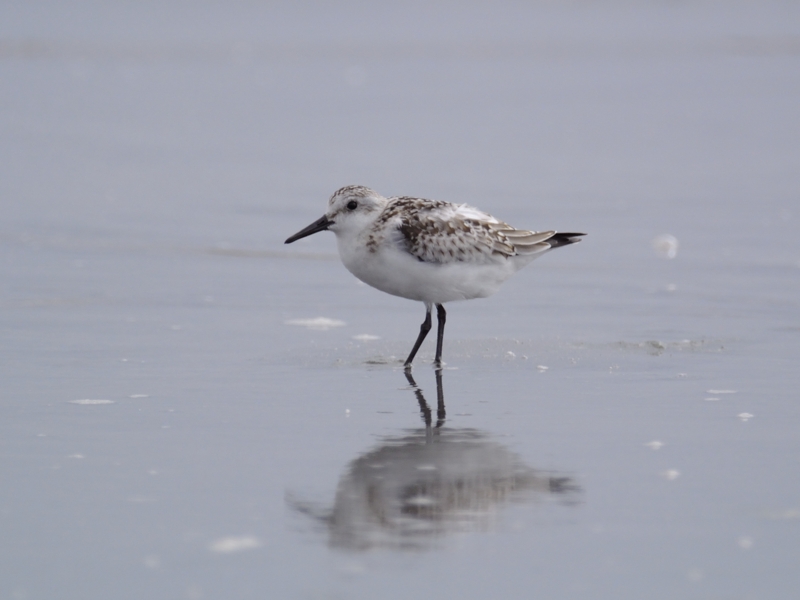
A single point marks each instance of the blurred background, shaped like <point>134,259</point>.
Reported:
<point>176,423</point>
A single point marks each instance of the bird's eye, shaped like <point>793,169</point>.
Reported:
<point>352,205</point>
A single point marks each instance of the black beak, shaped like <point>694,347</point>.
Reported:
<point>319,225</point>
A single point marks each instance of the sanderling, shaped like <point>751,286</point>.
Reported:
<point>428,250</point>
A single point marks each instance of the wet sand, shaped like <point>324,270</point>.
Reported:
<point>193,410</point>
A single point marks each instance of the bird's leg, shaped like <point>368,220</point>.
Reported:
<point>440,334</point>
<point>423,331</point>
<point>440,412</point>
<point>424,409</point>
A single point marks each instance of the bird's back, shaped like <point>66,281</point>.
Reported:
<point>438,232</point>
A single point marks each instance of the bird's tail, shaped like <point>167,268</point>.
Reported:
<point>564,239</point>
<point>529,243</point>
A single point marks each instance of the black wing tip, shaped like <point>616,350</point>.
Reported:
<point>564,239</point>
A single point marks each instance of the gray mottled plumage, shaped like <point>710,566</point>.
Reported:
<point>439,232</point>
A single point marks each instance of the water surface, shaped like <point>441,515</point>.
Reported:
<point>178,422</point>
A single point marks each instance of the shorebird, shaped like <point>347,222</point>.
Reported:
<point>427,250</point>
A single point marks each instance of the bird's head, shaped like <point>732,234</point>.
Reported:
<point>350,210</point>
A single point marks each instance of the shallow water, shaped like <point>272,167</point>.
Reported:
<point>192,409</point>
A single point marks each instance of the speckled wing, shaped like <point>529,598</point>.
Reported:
<point>440,232</point>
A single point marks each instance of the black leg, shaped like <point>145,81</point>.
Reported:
<point>440,334</point>
<point>424,409</point>
<point>440,412</point>
<point>423,331</point>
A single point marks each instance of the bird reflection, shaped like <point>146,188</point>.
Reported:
<point>424,409</point>
<point>413,489</point>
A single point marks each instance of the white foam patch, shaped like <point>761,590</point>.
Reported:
<point>745,543</point>
<point>231,544</point>
<point>152,561</point>
<point>91,401</point>
<point>718,392</point>
<point>665,245</point>
<point>139,396</point>
<point>671,474</point>
<point>320,323</point>
<point>366,337</point>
